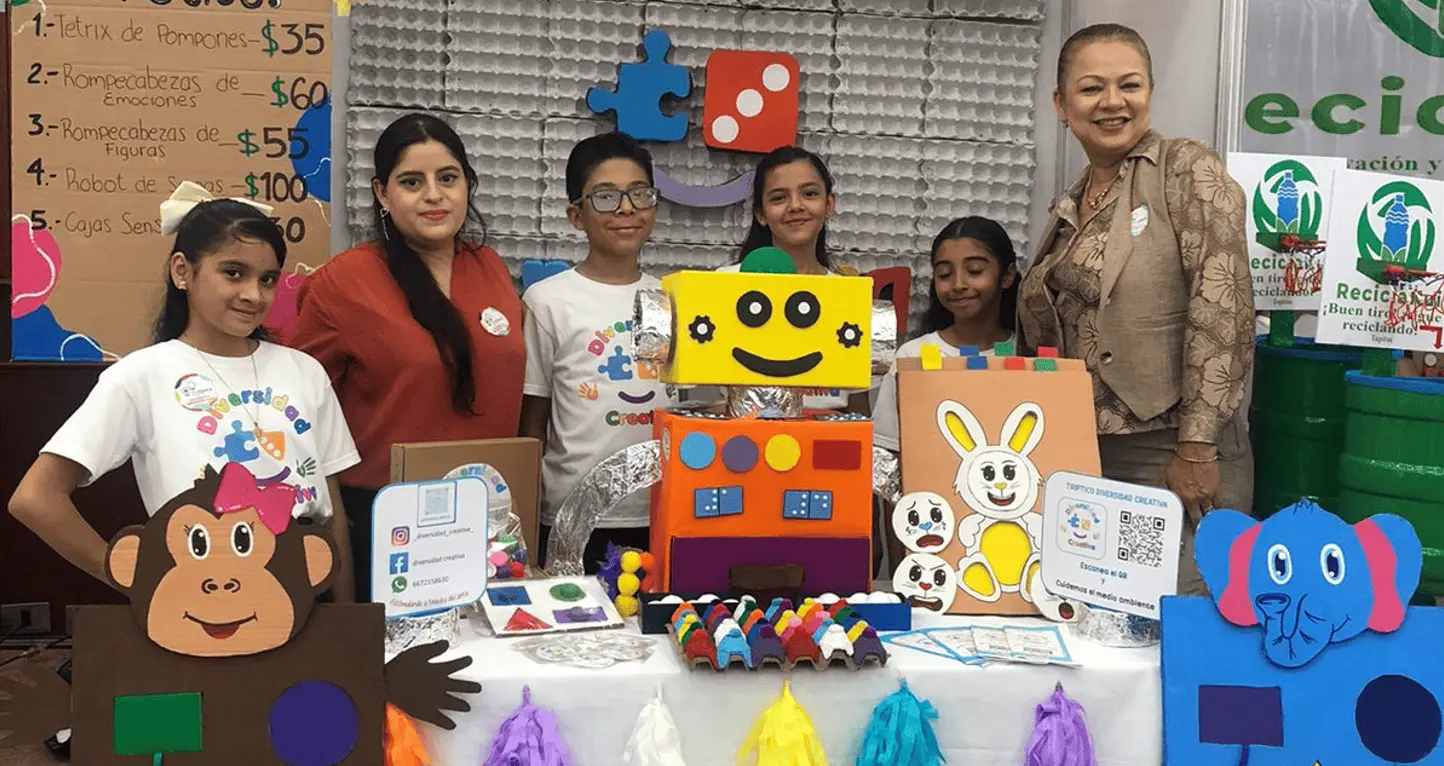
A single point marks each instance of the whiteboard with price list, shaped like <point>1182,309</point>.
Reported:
<point>114,103</point>
<point>1110,544</point>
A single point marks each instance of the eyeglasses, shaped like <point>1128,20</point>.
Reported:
<point>610,200</point>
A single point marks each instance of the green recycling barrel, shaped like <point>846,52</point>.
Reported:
<point>1393,461</point>
<point>1296,422</point>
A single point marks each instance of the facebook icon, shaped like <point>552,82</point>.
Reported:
<point>400,562</point>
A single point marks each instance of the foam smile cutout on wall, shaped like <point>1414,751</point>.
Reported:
<point>1308,577</point>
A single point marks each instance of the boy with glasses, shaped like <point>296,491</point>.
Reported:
<point>585,395</point>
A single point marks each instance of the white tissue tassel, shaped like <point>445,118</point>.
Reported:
<point>654,740</point>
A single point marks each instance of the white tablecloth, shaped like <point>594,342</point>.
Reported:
<point>985,713</point>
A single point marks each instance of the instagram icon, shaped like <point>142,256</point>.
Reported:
<point>400,535</point>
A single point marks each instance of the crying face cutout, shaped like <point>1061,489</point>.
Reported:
<point>923,521</point>
<point>925,581</point>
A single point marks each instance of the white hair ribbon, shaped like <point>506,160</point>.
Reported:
<point>185,198</point>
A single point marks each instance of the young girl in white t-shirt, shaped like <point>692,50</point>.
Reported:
<point>973,301</point>
<point>209,391</point>
<point>792,199</point>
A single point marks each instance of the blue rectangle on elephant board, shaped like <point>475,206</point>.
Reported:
<point>1373,699</point>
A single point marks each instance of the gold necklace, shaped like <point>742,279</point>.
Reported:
<point>255,415</point>
<point>1096,200</point>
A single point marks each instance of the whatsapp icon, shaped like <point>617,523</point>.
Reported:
<point>1420,23</point>
<point>398,584</point>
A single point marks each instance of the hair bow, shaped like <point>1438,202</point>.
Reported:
<point>239,491</point>
<point>185,198</point>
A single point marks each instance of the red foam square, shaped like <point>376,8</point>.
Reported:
<point>836,455</point>
<point>1047,352</point>
<point>1015,363</point>
<point>751,102</point>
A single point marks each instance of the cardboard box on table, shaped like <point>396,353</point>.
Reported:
<point>518,460</point>
<point>763,505</point>
<point>1049,418</point>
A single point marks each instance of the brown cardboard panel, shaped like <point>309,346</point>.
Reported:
<point>518,459</point>
<point>930,463</point>
<point>341,644</point>
<point>113,105</point>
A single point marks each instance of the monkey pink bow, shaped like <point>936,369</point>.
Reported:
<point>185,198</point>
<point>238,491</point>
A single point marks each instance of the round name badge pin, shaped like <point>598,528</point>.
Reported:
<point>195,392</point>
<point>495,322</point>
<point>1140,220</point>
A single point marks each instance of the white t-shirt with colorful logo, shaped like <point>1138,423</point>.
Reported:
<point>885,411</point>
<point>173,410</point>
<point>579,355</point>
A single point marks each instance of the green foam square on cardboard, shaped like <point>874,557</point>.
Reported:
<point>158,723</point>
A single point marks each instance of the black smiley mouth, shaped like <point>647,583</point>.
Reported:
<point>777,368</point>
<point>630,399</point>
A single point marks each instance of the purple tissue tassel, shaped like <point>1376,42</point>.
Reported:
<point>529,738</point>
<point>1060,738</point>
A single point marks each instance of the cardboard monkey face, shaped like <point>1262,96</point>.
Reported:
<point>221,570</point>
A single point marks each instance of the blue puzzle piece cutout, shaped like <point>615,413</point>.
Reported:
<point>235,449</point>
<point>637,100</point>
<point>534,270</point>
<point>618,366</point>
<point>509,596</point>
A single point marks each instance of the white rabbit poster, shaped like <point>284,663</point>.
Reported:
<point>977,445</point>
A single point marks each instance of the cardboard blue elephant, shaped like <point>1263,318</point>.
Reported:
<point>1308,577</point>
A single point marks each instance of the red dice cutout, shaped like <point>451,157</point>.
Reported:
<point>751,101</point>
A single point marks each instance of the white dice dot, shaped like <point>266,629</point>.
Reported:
<point>749,103</point>
<point>776,77</point>
<point>724,129</point>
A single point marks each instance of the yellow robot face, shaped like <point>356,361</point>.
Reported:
<point>741,329</point>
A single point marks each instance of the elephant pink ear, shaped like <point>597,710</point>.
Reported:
<point>1235,604</point>
<point>1388,612</point>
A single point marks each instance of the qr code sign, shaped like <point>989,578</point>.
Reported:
<point>1141,538</point>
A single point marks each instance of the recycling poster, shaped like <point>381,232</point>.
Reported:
<point>114,103</point>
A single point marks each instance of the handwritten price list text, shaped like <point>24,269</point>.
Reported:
<point>115,102</point>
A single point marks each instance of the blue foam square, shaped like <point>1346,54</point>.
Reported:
<point>977,363</point>
<point>969,351</point>
<point>513,595</point>
<point>795,503</point>
<point>820,505</point>
<point>706,503</point>
<point>729,501</point>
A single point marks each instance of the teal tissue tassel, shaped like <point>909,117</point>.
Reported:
<point>901,733</point>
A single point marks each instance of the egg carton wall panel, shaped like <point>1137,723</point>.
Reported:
<point>981,83</point>
<point>810,38</point>
<point>826,6</point>
<point>1020,10</point>
<point>498,56</point>
<point>882,75</point>
<point>398,54</point>
<point>559,135</point>
<point>692,163</point>
<point>507,154</point>
<point>887,7</point>
<point>363,126</point>
<point>968,178</point>
<point>879,188</point>
<point>589,38</point>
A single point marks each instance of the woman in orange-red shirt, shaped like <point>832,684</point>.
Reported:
<point>421,332</point>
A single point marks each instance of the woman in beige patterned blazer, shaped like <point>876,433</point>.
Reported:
<point>1142,272</point>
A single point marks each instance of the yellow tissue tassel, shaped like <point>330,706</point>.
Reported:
<point>403,741</point>
<point>782,736</point>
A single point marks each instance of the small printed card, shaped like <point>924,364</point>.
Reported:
<point>978,644</point>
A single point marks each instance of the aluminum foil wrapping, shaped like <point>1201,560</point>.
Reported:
<point>403,633</point>
<point>770,402</point>
<point>884,336</point>
<point>652,327</point>
<point>1116,629</point>
<point>886,474</point>
<point>631,470</point>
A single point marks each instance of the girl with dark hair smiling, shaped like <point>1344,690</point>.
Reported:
<point>210,391</point>
<point>420,332</point>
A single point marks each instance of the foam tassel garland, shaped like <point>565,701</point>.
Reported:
<point>654,741</point>
<point>1060,737</point>
<point>901,733</point>
<point>783,736</point>
<point>529,737</point>
<point>403,741</point>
